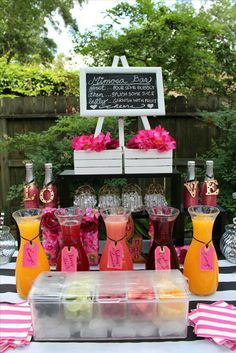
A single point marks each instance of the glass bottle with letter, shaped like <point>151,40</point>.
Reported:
<point>31,191</point>
<point>48,194</point>
<point>210,188</point>
<point>191,188</point>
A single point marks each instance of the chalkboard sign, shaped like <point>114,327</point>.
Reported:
<point>121,91</point>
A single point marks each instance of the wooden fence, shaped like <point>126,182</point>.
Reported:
<point>26,114</point>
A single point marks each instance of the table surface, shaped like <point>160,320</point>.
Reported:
<point>226,291</point>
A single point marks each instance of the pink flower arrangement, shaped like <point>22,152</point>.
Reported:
<point>51,234</point>
<point>157,138</point>
<point>89,235</point>
<point>90,143</point>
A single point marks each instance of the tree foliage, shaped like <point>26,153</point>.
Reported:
<point>223,152</point>
<point>54,145</point>
<point>196,50</point>
<point>23,35</point>
<point>34,80</point>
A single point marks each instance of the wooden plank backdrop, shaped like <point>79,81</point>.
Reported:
<point>24,114</point>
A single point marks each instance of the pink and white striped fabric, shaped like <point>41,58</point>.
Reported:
<point>216,322</point>
<point>15,325</point>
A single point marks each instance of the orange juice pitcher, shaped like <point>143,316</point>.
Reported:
<point>31,259</point>
<point>201,263</point>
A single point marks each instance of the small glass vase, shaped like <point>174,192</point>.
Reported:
<point>228,242</point>
<point>7,245</point>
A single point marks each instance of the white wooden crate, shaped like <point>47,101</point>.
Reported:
<point>140,162</point>
<point>92,162</point>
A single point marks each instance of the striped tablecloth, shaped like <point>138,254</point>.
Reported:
<point>226,291</point>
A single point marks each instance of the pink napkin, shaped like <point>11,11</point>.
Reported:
<point>216,322</point>
<point>15,325</point>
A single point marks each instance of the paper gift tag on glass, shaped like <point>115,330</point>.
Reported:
<point>69,259</point>
<point>30,254</point>
<point>162,258</point>
<point>207,258</point>
<point>115,256</point>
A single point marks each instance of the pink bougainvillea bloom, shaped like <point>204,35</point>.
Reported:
<point>82,142</point>
<point>90,143</point>
<point>113,144</point>
<point>157,138</point>
<point>99,142</point>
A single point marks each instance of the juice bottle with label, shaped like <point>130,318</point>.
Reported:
<point>201,263</point>
<point>31,259</point>
<point>116,255</point>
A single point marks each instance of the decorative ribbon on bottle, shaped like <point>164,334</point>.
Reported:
<point>115,253</point>
<point>30,252</point>
<point>206,256</point>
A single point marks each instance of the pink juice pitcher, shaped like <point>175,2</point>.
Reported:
<point>72,256</point>
<point>116,255</point>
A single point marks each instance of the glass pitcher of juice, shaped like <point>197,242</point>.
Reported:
<point>31,259</point>
<point>116,255</point>
<point>162,254</point>
<point>72,256</point>
<point>201,263</point>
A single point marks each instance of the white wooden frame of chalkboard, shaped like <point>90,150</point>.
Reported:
<point>121,112</point>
